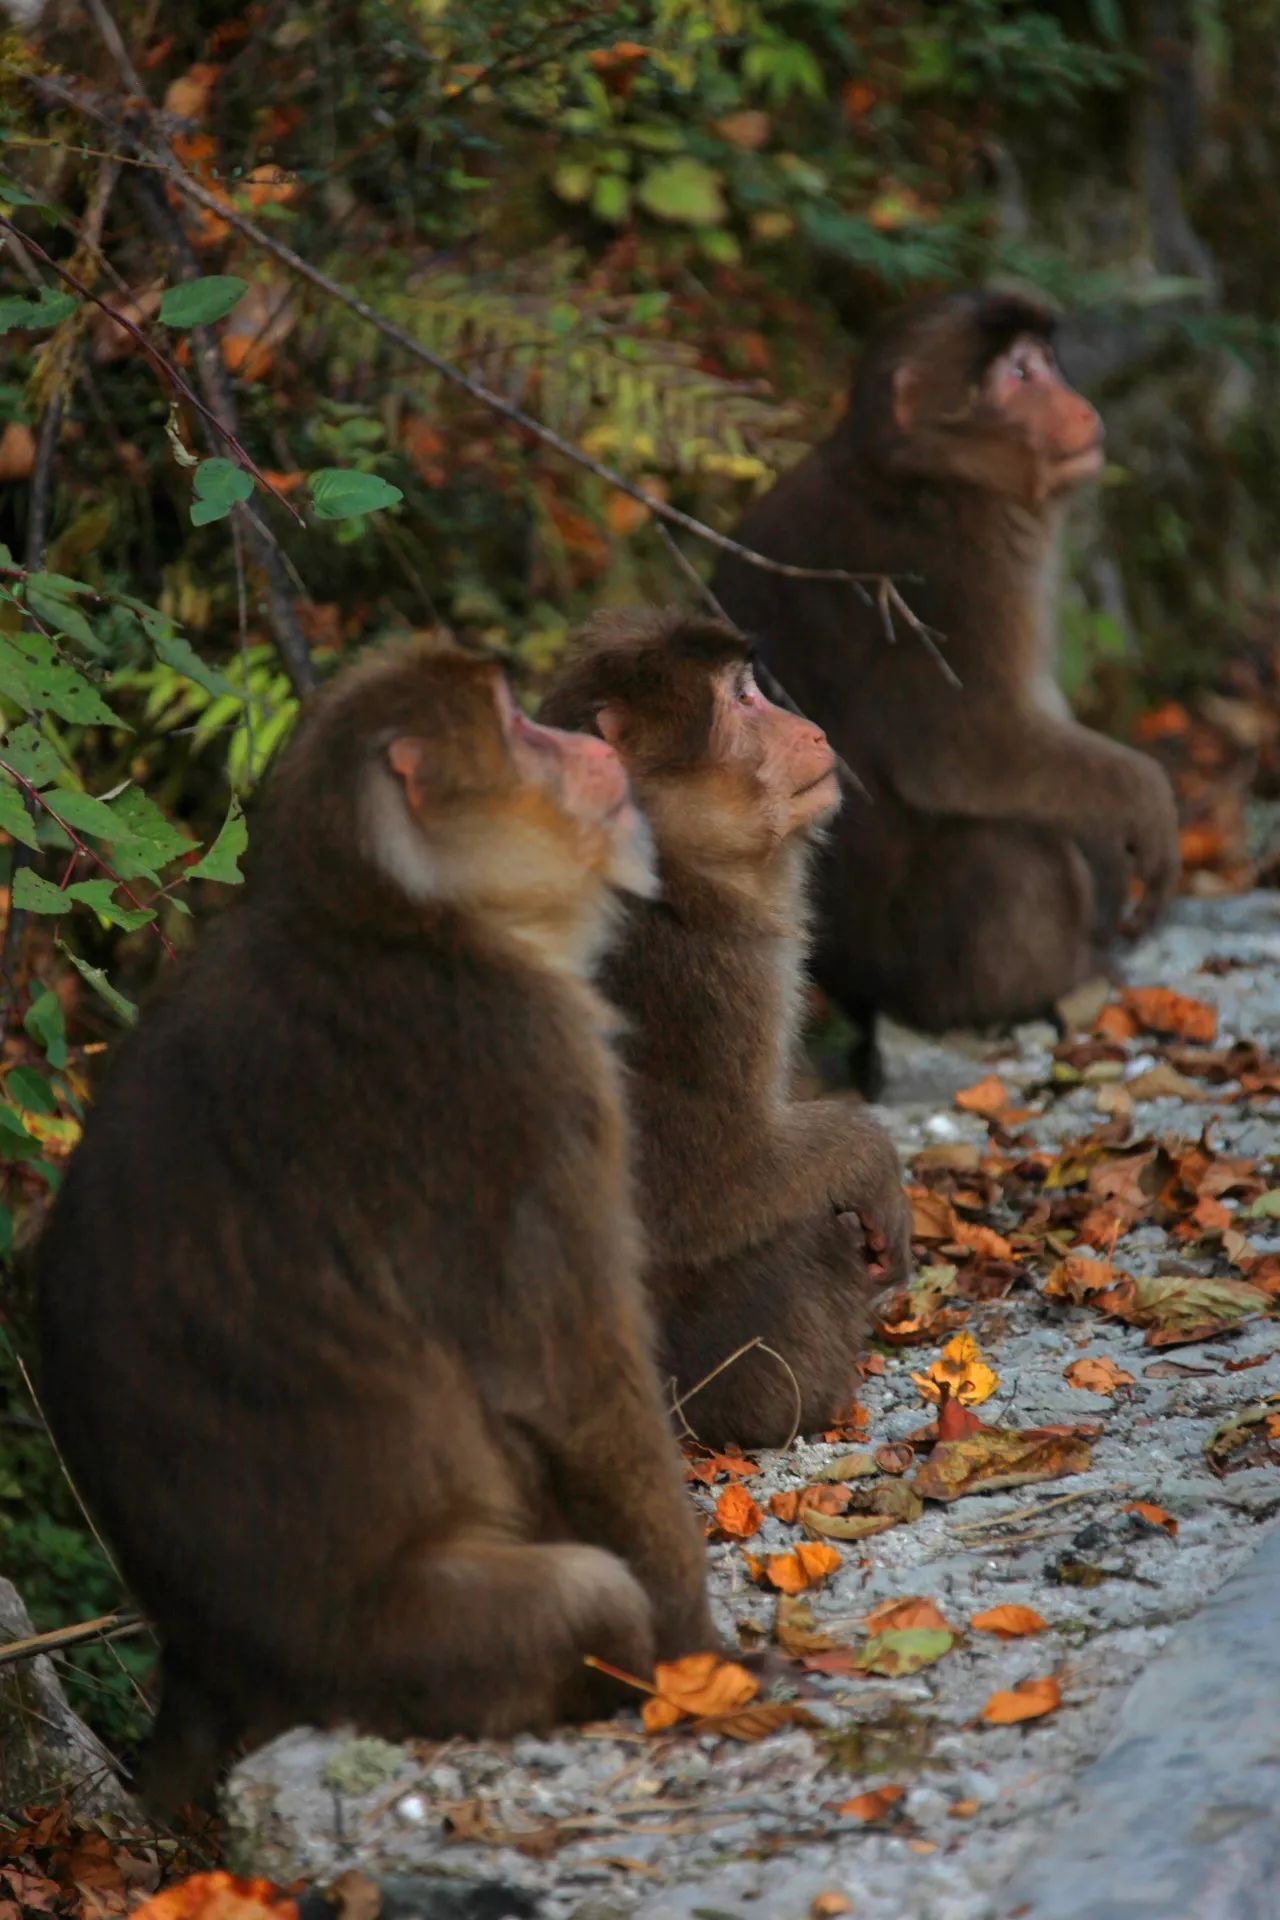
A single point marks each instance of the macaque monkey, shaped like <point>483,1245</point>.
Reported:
<point>766,1218</point>
<point>1002,847</point>
<point>344,1333</point>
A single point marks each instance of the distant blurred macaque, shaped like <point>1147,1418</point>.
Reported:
<point>767,1219</point>
<point>344,1334</point>
<point>1004,847</point>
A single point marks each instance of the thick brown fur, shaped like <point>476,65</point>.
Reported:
<point>344,1336</point>
<point>751,1201</point>
<point>990,870</point>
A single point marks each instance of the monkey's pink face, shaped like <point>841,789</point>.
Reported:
<point>790,757</point>
<point>582,774</point>
<point>1024,387</point>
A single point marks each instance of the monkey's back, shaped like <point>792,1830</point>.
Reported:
<point>290,1262</point>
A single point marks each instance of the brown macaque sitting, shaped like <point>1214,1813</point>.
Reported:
<point>767,1219</point>
<point>1002,847</point>
<point>344,1332</point>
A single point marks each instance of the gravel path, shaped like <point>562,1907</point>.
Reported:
<point>1182,1800</point>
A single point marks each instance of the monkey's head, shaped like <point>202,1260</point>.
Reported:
<point>723,774</point>
<point>965,387</point>
<point>414,780</point>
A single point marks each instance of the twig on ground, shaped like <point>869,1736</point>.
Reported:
<point>108,1626</point>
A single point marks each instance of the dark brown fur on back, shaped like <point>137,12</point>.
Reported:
<point>342,1332</point>
<point>988,871</point>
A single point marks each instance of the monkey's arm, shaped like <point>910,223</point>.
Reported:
<point>994,760</point>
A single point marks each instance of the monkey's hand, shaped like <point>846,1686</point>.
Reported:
<point>1150,840</point>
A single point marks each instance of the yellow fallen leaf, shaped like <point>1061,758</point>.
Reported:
<point>962,1370</point>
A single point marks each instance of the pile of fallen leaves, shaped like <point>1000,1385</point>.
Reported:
<point>52,1862</point>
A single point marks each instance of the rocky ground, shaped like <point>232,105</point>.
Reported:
<point>899,1798</point>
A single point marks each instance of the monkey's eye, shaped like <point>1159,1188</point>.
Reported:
<point>747,693</point>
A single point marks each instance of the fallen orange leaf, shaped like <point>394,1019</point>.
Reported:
<point>1009,1622</point>
<point>1097,1376</point>
<point>988,1096</point>
<point>873,1805</point>
<point>826,1906</point>
<point>995,1458</point>
<point>805,1566</point>
<point>932,1215</point>
<point>899,1616</point>
<point>1115,1023</point>
<point>1160,1010</point>
<point>700,1686</point>
<point>1154,1516</point>
<point>1027,1701</point>
<point>985,1241</point>
<point>220,1896</point>
<point>737,1513</point>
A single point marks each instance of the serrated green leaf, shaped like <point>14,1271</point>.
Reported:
<point>101,896</point>
<point>340,493</point>
<point>219,863</point>
<point>219,486</point>
<point>196,302</point>
<point>183,658</point>
<point>28,1089</point>
<point>151,835</point>
<point>124,1009</point>
<point>60,584</point>
<point>44,311</point>
<point>684,191</point>
<point>29,753</point>
<point>14,818</point>
<point>46,1025</point>
<point>32,675</point>
<point>38,895</point>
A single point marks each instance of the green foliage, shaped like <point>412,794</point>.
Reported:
<point>198,302</point>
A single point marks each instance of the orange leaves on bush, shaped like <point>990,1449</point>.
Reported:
<point>873,1805</point>
<point>1159,1010</point>
<point>1029,1700</point>
<point>737,1513</point>
<point>961,1369</point>
<point>219,1896</point>
<point>805,1566</point>
<point>1097,1376</point>
<point>701,1686</point>
<point>1154,1516</point>
<point>994,1458</point>
<point>901,1616</point>
<point>1009,1622</point>
<point>987,1097</point>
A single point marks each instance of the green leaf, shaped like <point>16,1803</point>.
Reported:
<point>179,654</point>
<point>220,485</point>
<point>54,609</point>
<point>44,311</point>
<point>1265,1207</point>
<point>611,199</point>
<point>219,863</point>
<point>38,895</point>
<point>151,835</point>
<point>684,191</point>
<point>33,676</point>
<point>904,1650</point>
<point>196,302</point>
<point>14,818</point>
<point>124,1010</point>
<point>28,1089</point>
<point>87,814</point>
<point>15,1141</point>
<point>572,181</point>
<point>339,493</point>
<point>45,1023</point>
<point>28,752</point>
<point>1108,20</point>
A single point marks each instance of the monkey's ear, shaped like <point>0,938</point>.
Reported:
<point>611,724</point>
<point>906,393</point>
<point>405,757</point>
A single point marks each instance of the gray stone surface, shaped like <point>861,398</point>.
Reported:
<point>45,1748</point>
<point>609,1823</point>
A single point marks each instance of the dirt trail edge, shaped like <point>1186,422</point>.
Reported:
<point>1152,1788</point>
